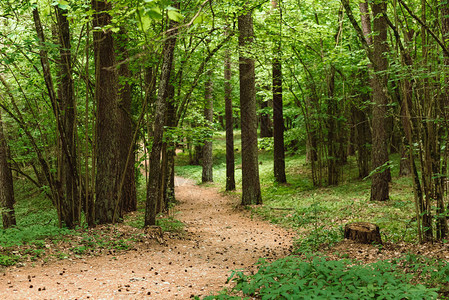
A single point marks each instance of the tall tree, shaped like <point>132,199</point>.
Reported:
<point>207,163</point>
<point>381,176</point>
<point>107,100</point>
<point>71,207</point>
<point>127,154</point>
<point>6,183</point>
<point>278,110</point>
<point>248,106</point>
<point>154,181</point>
<point>230,161</point>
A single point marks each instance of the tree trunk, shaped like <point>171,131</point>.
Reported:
<point>127,191</point>
<point>154,181</point>
<point>265,122</point>
<point>380,178</point>
<point>108,116</point>
<point>250,168</point>
<point>333,170</point>
<point>278,110</point>
<point>169,171</point>
<point>230,161</point>
<point>6,183</point>
<point>207,162</point>
<point>71,208</point>
<point>363,139</point>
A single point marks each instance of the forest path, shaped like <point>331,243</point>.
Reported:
<point>219,238</point>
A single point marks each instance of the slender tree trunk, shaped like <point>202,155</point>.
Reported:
<point>108,116</point>
<point>170,147</point>
<point>250,167</point>
<point>265,122</point>
<point>230,161</point>
<point>6,183</point>
<point>127,154</point>
<point>54,184</point>
<point>332,133</point>
<point>380,179</point>
<point>278,107</point>
<point>154,181</point>
<point>71,208</point>
<point>207,162</point>
<point>362,136</point>
<point>278,123</point>
<point>444,6</point>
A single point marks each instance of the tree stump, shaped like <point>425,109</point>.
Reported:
<point>363,232</point>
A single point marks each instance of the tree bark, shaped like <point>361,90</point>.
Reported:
<point>107,98</point>
<point>154,181</point>
<point>230,161</point>
<point>71,208</point>
<point>381,176</point>
<point>207,163</point>
<point>128,192</point>
<point>6,183</point>
<point>278,108</point>
<point>265,122</point>
<point>333,170</point>
<point>278,123</point>
<point>250,169</point>
<point>168,164</point>
<point>363,232</point>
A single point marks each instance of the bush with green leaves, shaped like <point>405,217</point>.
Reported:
<point>317,278</point>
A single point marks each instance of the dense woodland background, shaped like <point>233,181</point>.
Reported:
<point>91,91</point>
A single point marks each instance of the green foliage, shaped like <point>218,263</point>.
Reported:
<point>266,143</point>
<point>170,224</point>
<point>317,238</point>
<point>17,236</point>
<point>8,260</point>
<point>295,278</point>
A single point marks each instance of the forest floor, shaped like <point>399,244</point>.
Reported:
<point>218,237</point>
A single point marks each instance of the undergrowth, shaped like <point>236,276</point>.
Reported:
<point>295,277</point>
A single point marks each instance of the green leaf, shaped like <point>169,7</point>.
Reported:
<point>145,22</point>
<point>154,13</point>
<point>174,15</point>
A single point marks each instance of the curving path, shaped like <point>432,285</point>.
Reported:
<point>219,238</point>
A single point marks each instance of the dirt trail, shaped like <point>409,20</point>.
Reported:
<point>219,239</point>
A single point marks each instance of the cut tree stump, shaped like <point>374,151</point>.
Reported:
<point>363,232</point>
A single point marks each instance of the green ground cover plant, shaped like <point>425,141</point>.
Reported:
<point>295,277</point>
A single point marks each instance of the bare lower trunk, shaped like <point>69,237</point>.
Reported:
<point>278,124</point>
<point>154,181</point>
<point>108,144</point>
<point>380,179</point>
<point>6,183</point>
<point>250,167</point>
<point>207,162</point>
<point>230,162</point>
<point>128,192</point>
<point>71,207</point>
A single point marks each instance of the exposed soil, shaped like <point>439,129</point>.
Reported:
<point>219,238</point>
